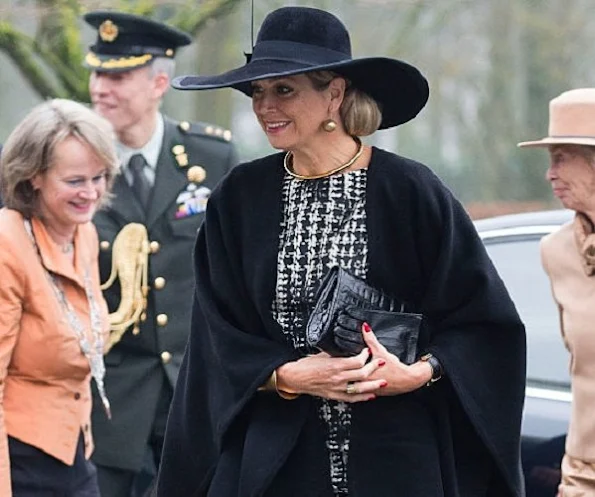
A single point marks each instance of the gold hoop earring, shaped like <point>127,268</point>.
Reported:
<point>329,125</point>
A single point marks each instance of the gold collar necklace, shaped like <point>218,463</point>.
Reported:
<point>288,163</point>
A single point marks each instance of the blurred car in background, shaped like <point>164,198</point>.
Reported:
<point>512,242</point>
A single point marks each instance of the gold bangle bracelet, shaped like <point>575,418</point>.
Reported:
<point>271,386</point>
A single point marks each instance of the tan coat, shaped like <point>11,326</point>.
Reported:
<point>45,394</point>
<point>574,292</point>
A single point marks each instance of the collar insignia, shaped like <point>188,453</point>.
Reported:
<point>180,155</point>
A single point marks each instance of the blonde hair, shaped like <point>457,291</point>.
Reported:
<point>360,113</point>
<point>29,150</point>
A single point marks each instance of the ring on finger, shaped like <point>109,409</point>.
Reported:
<point>351,389</point>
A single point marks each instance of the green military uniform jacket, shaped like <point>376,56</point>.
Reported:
<point>136,365</point>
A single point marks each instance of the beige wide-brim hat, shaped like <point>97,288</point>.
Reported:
<point>572,120</point>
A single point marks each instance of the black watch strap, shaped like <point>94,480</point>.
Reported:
<point>434,363</point>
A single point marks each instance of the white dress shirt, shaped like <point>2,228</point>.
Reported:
<point>150,151</point>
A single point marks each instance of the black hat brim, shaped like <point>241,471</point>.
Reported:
<point>399,88</point>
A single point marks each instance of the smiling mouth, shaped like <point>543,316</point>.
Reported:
<point>275,126</point>
<point>103,105</point>
<point>83,207</point>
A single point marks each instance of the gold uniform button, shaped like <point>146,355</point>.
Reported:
<point>165,357</point>
<point>184,125</point>
<point>154,246</point>
<point>196,174</point>
<point>162,319</point>
<point>159,283</point>
<point>169,52</point>
<point>227,135</point>
<point>104,245</point>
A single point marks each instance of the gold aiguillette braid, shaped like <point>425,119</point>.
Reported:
<point>130,263</point>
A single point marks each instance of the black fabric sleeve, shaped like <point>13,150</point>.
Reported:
<point>228,356</point>
<point>426,251</point>
<point>476,331</point>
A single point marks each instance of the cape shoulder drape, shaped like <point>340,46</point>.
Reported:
<point>423,249</point>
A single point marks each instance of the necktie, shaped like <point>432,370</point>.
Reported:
<point>140,184</point>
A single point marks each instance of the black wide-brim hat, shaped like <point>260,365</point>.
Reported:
<point>127,41</point>
<point>296,40</point>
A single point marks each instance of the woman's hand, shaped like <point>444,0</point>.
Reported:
<point>400,378</point>
<point>348,379</point>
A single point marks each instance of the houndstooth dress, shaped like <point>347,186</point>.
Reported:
<point>323,225</point>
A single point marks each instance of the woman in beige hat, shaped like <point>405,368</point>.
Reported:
<point>568,257</point>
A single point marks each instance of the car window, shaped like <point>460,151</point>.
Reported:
<point>519,264</point>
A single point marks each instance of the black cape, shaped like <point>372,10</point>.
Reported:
<point>226,439</point>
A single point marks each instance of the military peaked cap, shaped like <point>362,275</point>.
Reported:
<point>127,41</point>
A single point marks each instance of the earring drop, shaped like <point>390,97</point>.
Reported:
<point>329,125</point>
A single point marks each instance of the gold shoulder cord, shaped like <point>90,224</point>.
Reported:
<point>130,264</point>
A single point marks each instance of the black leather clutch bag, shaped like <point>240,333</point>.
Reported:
<point>344,302</point>
<point>397,331</point>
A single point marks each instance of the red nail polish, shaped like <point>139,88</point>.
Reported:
<point>372,397</point>
<point>383,384</point>
<point>366,328</point>
<point>381,362</point>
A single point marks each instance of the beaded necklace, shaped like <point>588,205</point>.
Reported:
<point>93,353</point>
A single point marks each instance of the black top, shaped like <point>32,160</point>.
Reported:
<point>459,438</point>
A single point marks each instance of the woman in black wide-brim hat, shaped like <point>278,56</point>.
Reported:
<point>259,409</point>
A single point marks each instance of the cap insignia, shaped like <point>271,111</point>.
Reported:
<point>108,31</point>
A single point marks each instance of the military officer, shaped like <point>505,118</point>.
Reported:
<point>169,169</point>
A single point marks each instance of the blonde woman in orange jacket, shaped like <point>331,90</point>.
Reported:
<point>55,171</point>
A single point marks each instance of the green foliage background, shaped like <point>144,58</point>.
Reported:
<point>492,65</point>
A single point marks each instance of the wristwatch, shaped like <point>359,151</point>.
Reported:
<point>436,368</point>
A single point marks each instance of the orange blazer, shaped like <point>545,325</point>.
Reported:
<point>45,389</point>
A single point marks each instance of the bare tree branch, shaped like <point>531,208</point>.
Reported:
<point>192,20</point>
<point>18,47</point>
<point>52,59</point>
